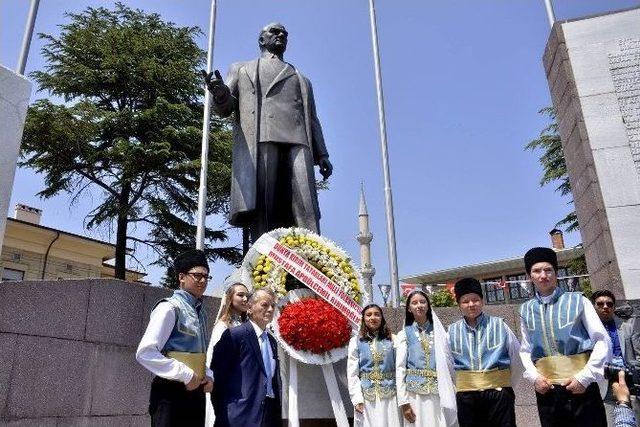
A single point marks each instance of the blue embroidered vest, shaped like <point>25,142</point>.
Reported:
<point>482,348</point>
<point>421,377</point>
<point>555,328</point>
<point>190,330</point>
<point>377,361</point>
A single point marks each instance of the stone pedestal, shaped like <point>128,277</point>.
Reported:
<point>593,68</point>
<point>15,91</point>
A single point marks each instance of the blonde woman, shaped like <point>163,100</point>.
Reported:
<point>233,312</point>
<point>426,394</point>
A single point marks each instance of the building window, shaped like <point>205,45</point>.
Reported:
<point>519,287</point>
<point>16,257</point>
<point>494,293</point>
<point>11,275</point>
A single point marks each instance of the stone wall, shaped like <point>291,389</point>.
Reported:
<point>593,69</point>
<point>67,352</point>
<point>67,355</point>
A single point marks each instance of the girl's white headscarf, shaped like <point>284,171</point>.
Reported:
<point>444,369</point>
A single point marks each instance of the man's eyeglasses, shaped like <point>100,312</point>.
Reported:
<point>199,277</point>
<point>604,304</point>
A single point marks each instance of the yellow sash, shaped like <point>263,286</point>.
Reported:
<point>560,368</point>
<point>483,380</point>
<point>195,361</point>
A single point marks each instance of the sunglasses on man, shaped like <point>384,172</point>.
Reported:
<point>604,303</point>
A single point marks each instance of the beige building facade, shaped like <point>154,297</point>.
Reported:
<point>31,251</point>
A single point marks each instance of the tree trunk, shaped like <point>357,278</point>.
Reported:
<point>121,233</point>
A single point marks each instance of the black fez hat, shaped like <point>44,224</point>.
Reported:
<point>536,255</point>
<point>189,259</point>
<point>468,285</point>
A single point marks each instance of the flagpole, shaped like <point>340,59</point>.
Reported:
<point>28,35</point>
<point>551,16</point>
<point>204,157</point>
<point>391,232</point>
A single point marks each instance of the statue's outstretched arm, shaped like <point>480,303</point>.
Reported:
<point>222,100</point>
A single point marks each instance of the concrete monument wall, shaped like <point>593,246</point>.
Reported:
<point>15,92</point>
<point>593,68</point>
<point>67,356</point>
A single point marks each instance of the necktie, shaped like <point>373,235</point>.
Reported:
<point>266,359</point>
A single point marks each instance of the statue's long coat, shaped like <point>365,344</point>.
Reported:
<point>245,101</point>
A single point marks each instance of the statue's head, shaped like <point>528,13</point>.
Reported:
<point>273,38</point>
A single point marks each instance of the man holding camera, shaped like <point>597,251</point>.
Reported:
<point>620,332</point>
<point>622,414</point>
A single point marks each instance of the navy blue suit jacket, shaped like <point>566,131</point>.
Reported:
<point>239,376</point>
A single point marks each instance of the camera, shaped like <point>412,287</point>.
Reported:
<point>631,376</point>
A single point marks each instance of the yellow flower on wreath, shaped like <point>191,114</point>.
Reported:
<point>266,275</point>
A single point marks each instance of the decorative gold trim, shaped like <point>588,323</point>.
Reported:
<point>483,380</point>
<point>559,368</point>
<point>425,373</point>
<point>377,376</point>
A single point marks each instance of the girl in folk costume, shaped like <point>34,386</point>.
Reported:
<point>371,372</point>
<point>233,312</point>
<point>424,367</point>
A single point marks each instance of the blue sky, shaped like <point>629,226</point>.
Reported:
<point>463,83</point>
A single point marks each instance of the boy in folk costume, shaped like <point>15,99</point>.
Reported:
<point>174,348</point>
<point>486,362</point>
<point>564,348</point>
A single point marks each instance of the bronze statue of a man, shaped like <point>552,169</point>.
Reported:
<point>277,139</point>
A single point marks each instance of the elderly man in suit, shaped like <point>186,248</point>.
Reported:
<point>246,370</point>
<point>277,139</point>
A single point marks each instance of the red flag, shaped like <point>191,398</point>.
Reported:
<point>407,288</point>
<point>451,288</point>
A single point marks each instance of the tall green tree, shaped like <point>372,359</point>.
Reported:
<point>129,130</point>
<point>554,168</point>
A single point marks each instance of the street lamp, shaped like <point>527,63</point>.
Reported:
<point>384,290</point>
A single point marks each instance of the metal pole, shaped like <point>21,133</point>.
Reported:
<point>28,35</point>
<point>551,16</point>
<point>204,157</point>
<point>391,233</point>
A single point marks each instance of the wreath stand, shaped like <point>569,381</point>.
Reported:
<point>327,372</point>
<point>300,267</point>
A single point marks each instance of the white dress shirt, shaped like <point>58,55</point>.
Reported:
<point>149,353</point>
<point>594,369</point>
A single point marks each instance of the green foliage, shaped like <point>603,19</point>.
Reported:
<point>579,266</point>
<point>442,298</point>
<point>130,127</point>
<point>553,164</point>
<point>585,286</point>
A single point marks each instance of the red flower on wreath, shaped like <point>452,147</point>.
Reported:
<point>313,325</point>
